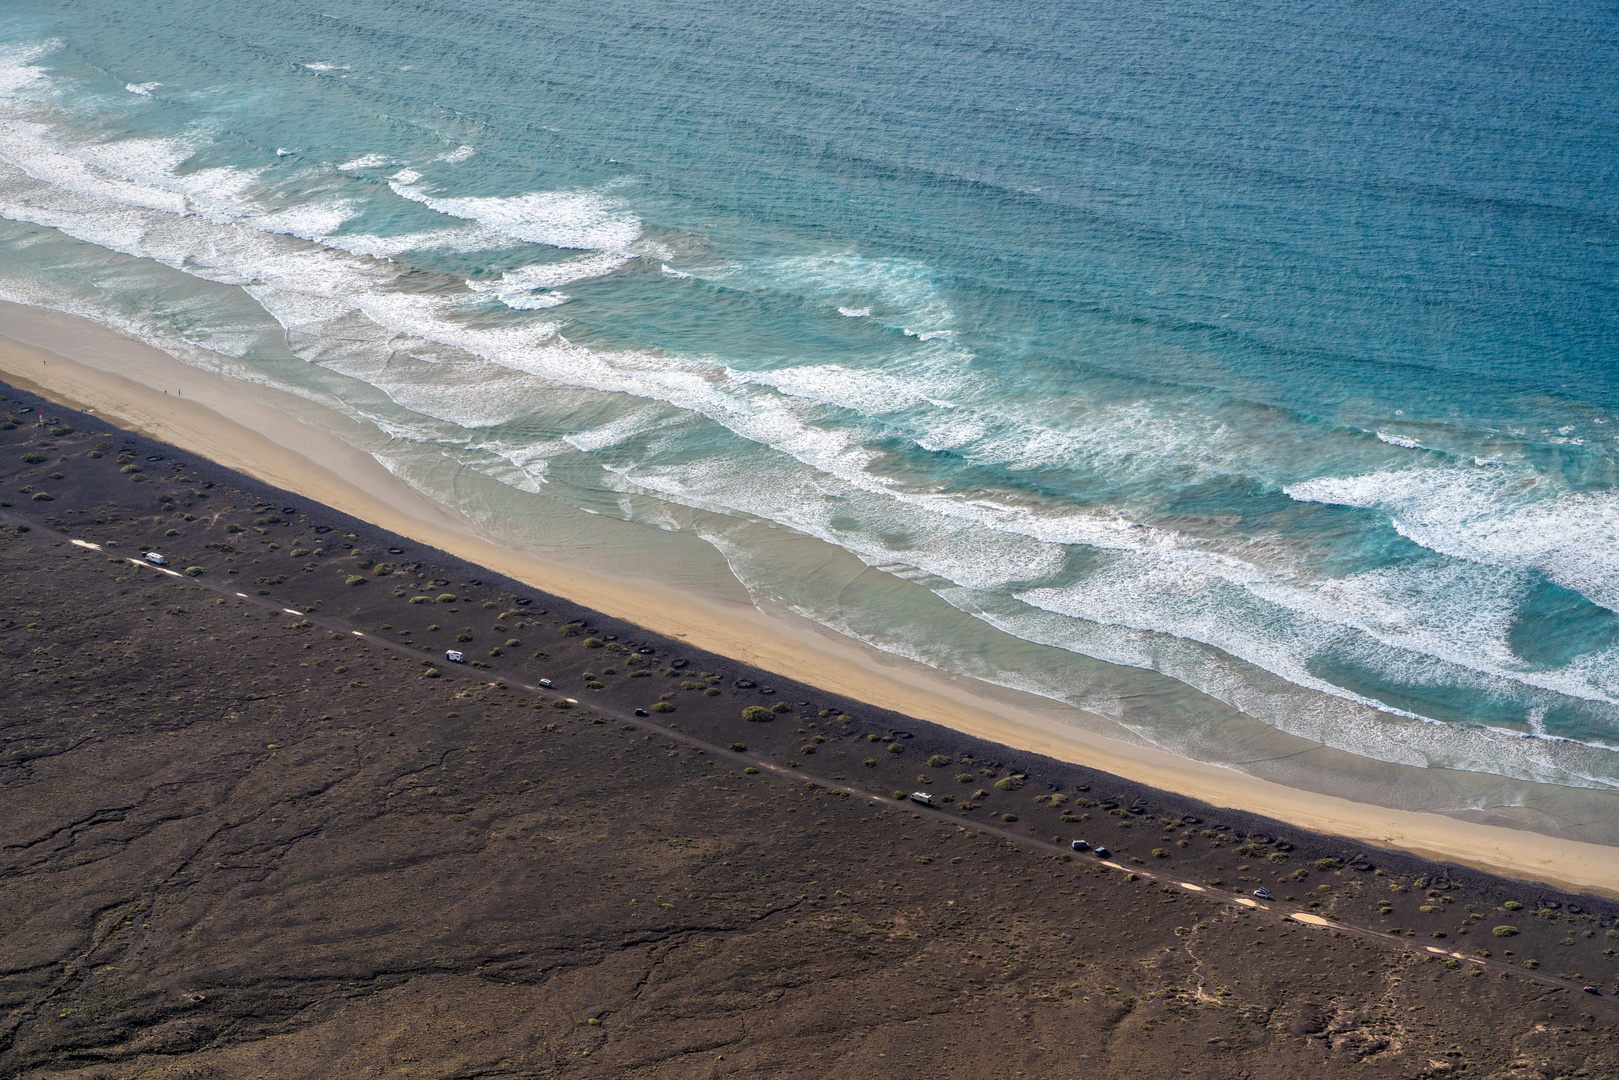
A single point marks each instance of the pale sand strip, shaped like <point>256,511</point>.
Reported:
<point>258,432</point>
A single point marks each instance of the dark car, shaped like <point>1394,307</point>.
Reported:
<point>1100,851</point>
<point>1080,845</point>
<point>640,712</point>
<point>1591,990</point>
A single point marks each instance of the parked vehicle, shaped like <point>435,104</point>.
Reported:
<point>1591,990</point>
<point>922,797</point>
<point>155,559</point>
<point>640,712</point>
<point>546,683</point>
<point>454,657</point>
<point>1100,851</point>
<point>1080,845</point>
<point>1263,894</point>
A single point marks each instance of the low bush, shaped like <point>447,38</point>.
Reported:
<point>1504,931</point>
<point>35,459</point>
<point>965,778</point>
<point>751,771</point>
<point>1160,853</point>
<point>446,598</point>
<point>562,703</point>
<point>593,643</point>
<point>757,714</point>
<point>1327,864</point>
<point>663,706</point>
<point>1008,817</point>
<point>421,599</point>
<point>871,763</point>
<point>41,496</point>
<point>234,528</point>
<point>463,637</point>
<point>938,761</point>
<point>1513,905</point>
<point>712,691</point>
<point>355,579</point>
<point>781,707</point>
<point>431,673</point>
<point>739,747</point>
<point>1008,783</point>
<point>895,748</point>
<point>195,571</point>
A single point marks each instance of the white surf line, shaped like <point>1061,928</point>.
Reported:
<point>1301,917</point>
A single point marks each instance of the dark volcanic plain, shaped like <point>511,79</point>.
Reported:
<point>239,840</point>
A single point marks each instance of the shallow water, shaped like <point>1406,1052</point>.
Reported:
<point>1198,365</point>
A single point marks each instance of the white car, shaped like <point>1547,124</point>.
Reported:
<point>922,797</point>
<point>454,657</point>
<point>155,559</point>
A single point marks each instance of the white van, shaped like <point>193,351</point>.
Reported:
<point>454,657</point>
<point>922,797</point>
<point>155,559</point>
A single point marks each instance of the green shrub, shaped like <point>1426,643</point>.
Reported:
<point>1327,864</point>
<point>431,673</point>
<point>195,571</point>
<point>594,684</point>
<point>1504,931</point>
<point>896,748</point>
<point>712,691</point>
<point>1301,873</point>
<point>1513,905</point>
<point>1160,853</point>
<point>40,496</point>
<point>965,778</point>
<point>35,459</point>
<point>593,643</point>
<point>781,707</point>
<point>562,703</point>
<point>355,579</point>
<point>938,761</point>
<point>1439,933</point>
<point>463,637</point>
<point>1008,817</point>
<point>1277,857</point>
<point>61,429</point>
<point>513,643</point>
<point>446,598</point>
<point>663,706</point>
<point>1008,783</point>
<point>739,748</point>
<point>570,630</point>
<point>757,714</point>
<point>421,599</point>
<point>871,763</point>
<point>497,652</point>
<point>233,528</point>
<point>751,771</point>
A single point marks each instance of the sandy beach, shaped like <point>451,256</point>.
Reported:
<point>298,446</point>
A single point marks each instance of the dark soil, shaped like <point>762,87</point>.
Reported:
<point>239,840</point>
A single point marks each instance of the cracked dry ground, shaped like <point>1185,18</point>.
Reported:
<point>220,857</point>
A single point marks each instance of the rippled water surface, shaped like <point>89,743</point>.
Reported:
<point>1198,364</point>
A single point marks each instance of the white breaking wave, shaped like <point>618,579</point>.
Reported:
<point>1500,516</point>
<point>564,219</point>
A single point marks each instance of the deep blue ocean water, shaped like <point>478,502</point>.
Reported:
<point>1188,362</point>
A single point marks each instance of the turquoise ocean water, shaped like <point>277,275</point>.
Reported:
<point>1202,364</point>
